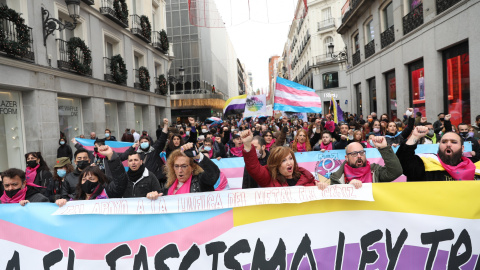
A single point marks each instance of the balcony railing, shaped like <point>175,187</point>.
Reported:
<point>158,89</point>
<point>136,83</point>
<point>443,5</point>
<point>63,61</point>
<point>356,58</point>
<point>370,48</point>
<point>413,19</point>
<point>348,9</point>
<point>156,41</point>
<point>89,2</point>
<point>137,28</point>
<point>387,37</point>
<point>326,24</point>
<point>9,31</point>
<point>108,10</point>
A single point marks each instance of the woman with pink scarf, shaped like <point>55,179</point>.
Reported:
<point>189,171</point>
<point>37,173</point>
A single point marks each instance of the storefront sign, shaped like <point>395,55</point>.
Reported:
<point>8,107</point>
<point>68,110</point>
<point>329,95</point>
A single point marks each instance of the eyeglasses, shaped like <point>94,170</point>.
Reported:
<point>354,154</point>
<point>183,167</point>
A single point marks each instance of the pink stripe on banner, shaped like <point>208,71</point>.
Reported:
<point>233,172</point>
<point>199,233</point>
<point>293,91</point>
<point>117,150</point>
<point>290,102</point>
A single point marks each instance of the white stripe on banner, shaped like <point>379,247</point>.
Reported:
<point>205,201</point>
<point>286,95</point>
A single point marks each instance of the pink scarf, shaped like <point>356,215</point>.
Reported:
<point>367,144</point>
<point>363,174</point>
<point>268,145</point>
<point>463,171</point>
<point>301,147</point>
<point>31,173</point>
<point>326,147</point>
<point>237,151</point>
<point>183,189</point>
<point>99,155</point>
<point>20,196</point>
<point>210,153</point>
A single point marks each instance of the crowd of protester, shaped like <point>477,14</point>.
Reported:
<point>179,160</point>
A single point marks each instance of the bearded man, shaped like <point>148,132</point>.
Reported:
<point>356,169</point>
<point>448,164</point>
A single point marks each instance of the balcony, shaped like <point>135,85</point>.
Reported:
<point>89,2</point>
<point>157,42</point>
<point>326,24</point>
<point>443,5</point>
<point>356,58</point>
<point>138,31</point>
<point>413,19</point>
<point>108,74</point>
<point>63,61</point>
<point>10,37</point>
<point>370,48</point>
<point>387,37</point>
<point>351,12</point>
<point>108,10</point>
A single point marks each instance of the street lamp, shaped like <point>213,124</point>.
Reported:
<point>52,24</point>
<point>181,70</point>
<point>341,55</point>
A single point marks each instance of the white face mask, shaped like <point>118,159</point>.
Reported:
<point>204,131</point>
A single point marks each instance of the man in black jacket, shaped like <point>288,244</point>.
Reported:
<point>463,130</point>
<point>448,164</point>
<point>82,160</point>
<point>141,181</point>
<point>262,154</point>
<point>16,189</point>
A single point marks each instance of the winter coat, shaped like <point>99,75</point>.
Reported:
<point>43,178</point>
<point>204,181</point>
<point>144,185</point>
<point>401,136</point>
<point>72,180</point>
<point>56,190</point>
<point>65,151</point>
<point>248,181</point>
<point>391,171</point>
<point>262,176</point>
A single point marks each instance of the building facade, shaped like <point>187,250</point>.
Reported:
<point>207,56</point>
<point>242,78</point>
<point>51,86</point>
<point>413,53</point>
<point>307,58</point>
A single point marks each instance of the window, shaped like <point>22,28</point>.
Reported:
<point>330,80</point>
<point>417,86</point>
<point>135,61</point>
<point>108,49</point>
<point>326,14</point>
<point>387,16</point>
<point>358,92</point>
<point>111,118</point>
<point>372,91</point>
<point>11,137</point>
<point>69,117</point>
<point>369,33</point>
<point>413,4</point>
<point>456,70</point>
<point>356,45</point>
<point>138,114</point>
<point>327,42</point>
<point>391,95</point>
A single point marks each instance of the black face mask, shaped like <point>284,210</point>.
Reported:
<point>95,149</point>
<point>89,187</point>
<point>32,163</point>
<point>82,164</point>
<point>442,119</point>
<point>464,134</point>
<point>11,193</point>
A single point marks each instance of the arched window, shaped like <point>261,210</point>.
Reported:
<point>327,42</point>
<point>196,85</point>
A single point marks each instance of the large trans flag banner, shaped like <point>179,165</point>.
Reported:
<point>118,147</point>
<point>320,164</point>
<point>421,225</point>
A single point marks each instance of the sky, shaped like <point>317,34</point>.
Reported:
<point>258,30</point>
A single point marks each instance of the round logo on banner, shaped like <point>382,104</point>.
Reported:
<point>328,163</point>
<point>254,104</point>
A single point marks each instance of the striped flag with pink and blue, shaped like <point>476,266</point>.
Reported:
<point>293,97</point>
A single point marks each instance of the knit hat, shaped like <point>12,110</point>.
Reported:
<point>62,162</point>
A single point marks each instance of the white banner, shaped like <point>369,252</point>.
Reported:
<point>205,201</point>
<point>255,106</point>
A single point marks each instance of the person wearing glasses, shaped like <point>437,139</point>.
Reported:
<point>189,171</point>
<point>356,170</point>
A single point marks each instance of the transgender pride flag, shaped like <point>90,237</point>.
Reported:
<point>294,97</point>
<point>118,147</point>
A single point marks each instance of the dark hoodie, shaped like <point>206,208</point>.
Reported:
<point>64,150</point>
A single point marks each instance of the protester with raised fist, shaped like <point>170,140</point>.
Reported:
<point>395,137</point>
<point>356,169</point>
<point>448,164</point>
<point>93,184</point>
<point>281,170</point>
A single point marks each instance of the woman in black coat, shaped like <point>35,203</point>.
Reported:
<point>64,150</point>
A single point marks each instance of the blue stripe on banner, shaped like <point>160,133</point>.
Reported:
<point>293,85</point>
<point>288,108</point>
<point>109,230</point>
<point>228,163</point>
<point>113,144</point>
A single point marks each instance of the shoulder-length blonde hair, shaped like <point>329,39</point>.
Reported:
<point>170,170</point>
<point>275,161</point>
<point>308,147</point>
